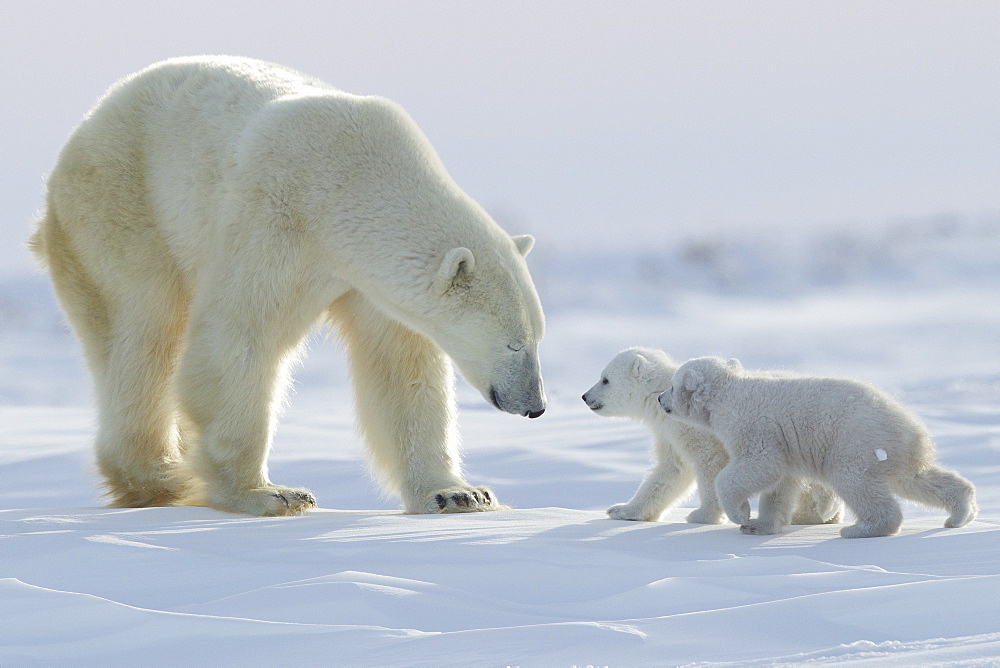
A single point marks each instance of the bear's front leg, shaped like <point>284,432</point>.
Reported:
<point>404,396</point>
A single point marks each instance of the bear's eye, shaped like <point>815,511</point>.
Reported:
<point>604,381</point>
<point>515,347</point>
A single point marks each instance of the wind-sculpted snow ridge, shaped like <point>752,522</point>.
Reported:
<point>553,581</point>
<point>526,587</point>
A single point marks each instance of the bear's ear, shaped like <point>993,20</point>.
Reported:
<point>524,243</point>
<point>734,364</point>
<point>456,266</point>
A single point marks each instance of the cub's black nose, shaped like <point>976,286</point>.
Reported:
<point>534,414</point>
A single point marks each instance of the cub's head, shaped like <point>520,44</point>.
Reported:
<point>690,397</point>
<point>629,382</point>
<point>489,320</point>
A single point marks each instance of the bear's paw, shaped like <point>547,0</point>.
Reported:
<point>462,500</point>
<point>269,501</point>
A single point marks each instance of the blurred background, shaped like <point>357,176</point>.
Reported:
<point>589,124</point>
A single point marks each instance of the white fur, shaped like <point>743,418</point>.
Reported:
<point>629,387</point>
<point>847,434</point>
<point>207,213</point>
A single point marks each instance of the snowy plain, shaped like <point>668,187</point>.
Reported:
<point>910,305</point>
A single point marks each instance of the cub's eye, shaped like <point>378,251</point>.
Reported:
<point>515,347</point>
<point>604,381</point>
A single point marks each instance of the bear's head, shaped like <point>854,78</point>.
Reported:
<point>695,384</point>
<point>630,383</point>
<point>489,320</point>
<point>430,257</point>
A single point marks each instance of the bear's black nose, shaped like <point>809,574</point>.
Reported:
<point>534,414</point>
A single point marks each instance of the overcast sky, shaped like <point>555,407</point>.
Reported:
<point>581,120</point>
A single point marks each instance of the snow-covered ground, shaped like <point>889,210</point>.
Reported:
<point>911,306</point>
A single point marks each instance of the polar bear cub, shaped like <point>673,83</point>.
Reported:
<point>845,433</point>
<point>629,387</point>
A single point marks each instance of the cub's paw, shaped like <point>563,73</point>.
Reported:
<point>626,511</point>
<point>860,530</point>
<point>758,528</point>
<point>828,515</point>
<point>706,516</point>
<point>462,500</point>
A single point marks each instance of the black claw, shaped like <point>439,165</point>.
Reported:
<point>441,501</point>
<point>283,499</point>
<point>489,499</point>
<point>462,499</point>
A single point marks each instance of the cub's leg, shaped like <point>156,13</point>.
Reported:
<point>663,484</point>
<point>940,488</point>
<point>776,506</point>
<point>404,391</point>
<point>129,314</point>
<point>707,466</point>
<point>243,335</point>
<point>817,504</point>
<point>875,508</point>
<point>742,478</point>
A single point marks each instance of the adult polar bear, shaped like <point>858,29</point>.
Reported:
<point>207,213</point>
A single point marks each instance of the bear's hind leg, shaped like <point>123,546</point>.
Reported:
<point>404,397</point>
<point>138,442</point>
<point>130,326</point>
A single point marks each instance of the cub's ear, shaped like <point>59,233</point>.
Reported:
<point>734,364</point>
<point>456,266</point>
<point>524,243</point>
<point>641,368</point>
<point>694,382</point>
<point>691,394</point>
